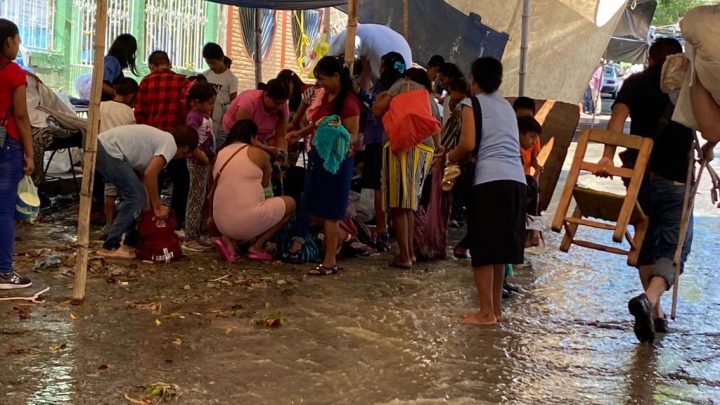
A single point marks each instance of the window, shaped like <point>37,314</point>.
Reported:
<point>119,21</point>
<point>34,18</point>
<point>306,29</point>
<point>178,28</point>
<point>267,23</point>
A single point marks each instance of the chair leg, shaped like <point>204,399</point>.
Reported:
<point>570,230</point>
<point>72,170</point>
<point>47,166</point>
<point>640,232</point>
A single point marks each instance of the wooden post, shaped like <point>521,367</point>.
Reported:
<point>524,47</point>
<point>406,20</point>
<point>350,33</point>
<point>89,153</point>
<point>258,46</point>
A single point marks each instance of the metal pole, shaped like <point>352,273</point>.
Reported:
<point>258,46</point>
<point>524,46</point>
<point>89,152</point>
<point>406,20</point>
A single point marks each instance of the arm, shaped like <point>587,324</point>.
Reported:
<point>299,114</point>
<point>352,124</point>
<point>382,104</point>
<point>281,142</point>
<point>140,105</point>
<point>23,122</point>
<point>620,113</point>
<point>201,157</point>
<point>150,181</point>
<point>262,160</point>
<point>232,96</point>
<point>466,143</point>
<point>108,89</point>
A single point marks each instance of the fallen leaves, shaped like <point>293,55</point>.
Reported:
<point>157,322</point>
<point>56,347</point>
<point>177,341</point>
<point>23,311</point>
<point>152,306</point>
<point>270,318</point>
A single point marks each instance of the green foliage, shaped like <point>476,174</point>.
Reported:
<point>669,12</point>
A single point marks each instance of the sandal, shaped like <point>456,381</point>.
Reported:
<point>259,256</point>
<point>295,257</point>
<point>321,270</point>
<point>225,252</point>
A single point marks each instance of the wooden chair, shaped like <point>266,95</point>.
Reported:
<point>622,210</point>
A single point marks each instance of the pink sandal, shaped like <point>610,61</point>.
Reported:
<point>259,256</point>
<point>225,252</point>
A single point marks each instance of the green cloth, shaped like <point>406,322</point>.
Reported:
<point>332,142</point>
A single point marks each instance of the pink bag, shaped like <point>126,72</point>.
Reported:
<point>409,120</point>
<point>431,225</point>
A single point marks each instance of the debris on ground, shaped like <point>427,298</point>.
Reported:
<point>153,307</point>
<point>270,318</point>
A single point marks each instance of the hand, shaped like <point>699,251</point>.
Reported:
<point>293,136</point>
<point>605,163</point>
<point>28,164</point>
<point>708,154</point>
<point>162,212</point>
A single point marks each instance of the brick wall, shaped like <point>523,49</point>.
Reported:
<point>280,56</point>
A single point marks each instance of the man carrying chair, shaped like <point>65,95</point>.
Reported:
<point>662,193</point>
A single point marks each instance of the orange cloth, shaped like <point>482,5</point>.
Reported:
<point>527,155</point>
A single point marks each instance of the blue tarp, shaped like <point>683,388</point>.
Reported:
<point>282,4</point>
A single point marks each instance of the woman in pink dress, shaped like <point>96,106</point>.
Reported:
<point>240,209</point>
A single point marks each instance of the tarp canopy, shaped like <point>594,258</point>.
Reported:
<point>630,41</point>
<point>567,37</point>
<point>282,4</point>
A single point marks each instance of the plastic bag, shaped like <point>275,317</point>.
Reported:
<point>431,224</point>
<point>409,120</point>
<point>27,206</point>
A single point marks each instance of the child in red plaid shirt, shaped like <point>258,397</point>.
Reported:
<point>160,101</point>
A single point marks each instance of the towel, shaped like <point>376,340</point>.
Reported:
<point>332,142</point>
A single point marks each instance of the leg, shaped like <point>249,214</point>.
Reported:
<point>331,243</point>
<point>400,228</point>
<point>380,214</point>
<point>484,276</point>
<point>109,210</point>
<point>178,172</point>
<point>411,234</point>
<point>11,164</point>
<point>196,197</point>
<point>706,111</point>
<point>259,245</point>
<point>498,281</point>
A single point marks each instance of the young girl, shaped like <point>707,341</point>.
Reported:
<point>120,56</point>
<point>201,101</point>
<point>16,152</point>
<point>223,80</point>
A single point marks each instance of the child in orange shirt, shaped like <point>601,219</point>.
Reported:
<point>530,131</point>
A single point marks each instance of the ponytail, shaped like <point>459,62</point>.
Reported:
<point>330,66</point>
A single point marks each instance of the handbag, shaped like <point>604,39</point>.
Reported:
<point>210,225</point>
<point>157,240</point>
<point>409,120</point>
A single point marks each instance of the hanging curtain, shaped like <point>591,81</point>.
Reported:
<point>247,22</point>
<point>306,30</point>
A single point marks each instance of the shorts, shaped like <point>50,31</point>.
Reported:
<point>372,167</point>
<point>662,201</point>
<point>496,223</point>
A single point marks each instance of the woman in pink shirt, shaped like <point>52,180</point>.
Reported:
<point>268,109</point>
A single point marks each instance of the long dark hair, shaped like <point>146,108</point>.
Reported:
<point>419,76</point>
<point>330,66</point>
<point>392,68</point>
<point>242,131</point>
<point>124,48</point>
<point>288,76</point>
<point>8,29</point>
<point>201,90</point>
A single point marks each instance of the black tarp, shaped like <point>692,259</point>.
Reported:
<point>630,41</point>
<point>430,33</point>
<point>282,4</point>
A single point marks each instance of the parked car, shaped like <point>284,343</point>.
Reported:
<point>612,80</point>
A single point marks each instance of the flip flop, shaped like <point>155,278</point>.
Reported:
<point>321,270</point>
<point>225,252</point>
<point>259,256</point>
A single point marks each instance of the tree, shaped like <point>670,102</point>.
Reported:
<point>669,12</point>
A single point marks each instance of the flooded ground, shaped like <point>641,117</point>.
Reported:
<point>372,335</point>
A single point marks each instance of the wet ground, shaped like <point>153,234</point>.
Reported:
<point>372,335</point>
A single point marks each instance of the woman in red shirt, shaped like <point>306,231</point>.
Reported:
<point>16,155</point>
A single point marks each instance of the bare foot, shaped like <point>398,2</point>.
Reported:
<point>123,252</point>
<point>476,318</point>
<point>499,319</point>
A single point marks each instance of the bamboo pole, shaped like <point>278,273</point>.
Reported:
<point>524,47</point>
<point>258,45</point>
<point>89,152</point>
<point>350,33</point>
<point>406,20</point>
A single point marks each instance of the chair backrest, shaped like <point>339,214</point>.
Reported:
<point>635,175</point>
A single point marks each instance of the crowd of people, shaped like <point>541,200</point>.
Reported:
<point>270,172</point>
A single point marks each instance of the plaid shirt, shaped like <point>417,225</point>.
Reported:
<point>160,101</point>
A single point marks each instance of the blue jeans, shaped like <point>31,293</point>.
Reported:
<point>132,197</point>
<point>662,201</point>
<point>11,171</point>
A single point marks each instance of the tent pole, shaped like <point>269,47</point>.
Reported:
<point>89,153</point>
<point>406,20</point>
<point>351,31</point>
<point>258,46</point>
<point>524,46</point>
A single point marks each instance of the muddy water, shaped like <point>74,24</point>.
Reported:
<point>369,336</point>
